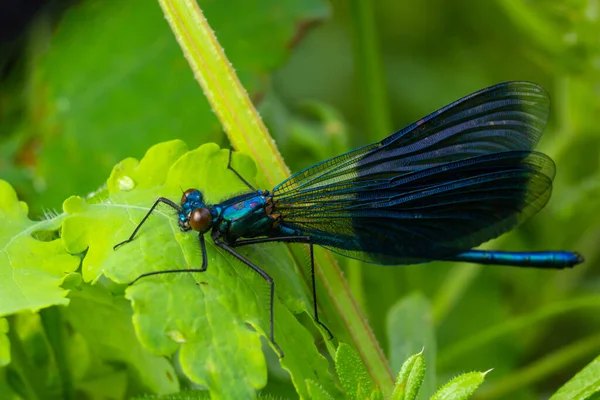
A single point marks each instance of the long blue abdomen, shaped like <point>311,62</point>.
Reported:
<point>535,259</point>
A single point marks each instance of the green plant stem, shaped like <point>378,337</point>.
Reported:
<point>221,86</point>
<point>356,282</point>
<point>489,335</point>
<point>541,368</point>
<point>27,373</point>
<point>369,68</point>
<point>248,134</point>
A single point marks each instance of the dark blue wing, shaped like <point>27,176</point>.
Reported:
<point>449,182</point>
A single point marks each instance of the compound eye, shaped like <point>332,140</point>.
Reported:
<point>200,220</point>
<point>186,194</point>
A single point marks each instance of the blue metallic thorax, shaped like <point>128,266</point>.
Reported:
<point>244,216</point>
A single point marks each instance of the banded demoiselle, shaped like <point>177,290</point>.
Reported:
<point>434,190</point>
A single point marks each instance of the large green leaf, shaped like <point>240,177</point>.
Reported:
<point>204,315</point>
<point>114,82</point>
<point>31,267</point>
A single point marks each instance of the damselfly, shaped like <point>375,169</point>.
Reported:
<point>434,190</point>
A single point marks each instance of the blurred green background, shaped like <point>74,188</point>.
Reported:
<point>85,84</point>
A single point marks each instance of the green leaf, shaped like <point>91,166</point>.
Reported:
<point>353,375</point>
<point>116,342</point>
<point>316,391</point>
<point>4,343</point>
<point>461,387</point>
<point>204,315</point>
<point>302,358</point>
<point>131,86</point>
<point>31,270</point>
<point>410,330</point>
<point>583,385</point>
<point>410,378</point>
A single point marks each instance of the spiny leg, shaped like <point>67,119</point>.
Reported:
<point>265,276</point>
<point>237,173</point>
<point>183,270</point>
<point>137,228</point>
<point>294,239</point>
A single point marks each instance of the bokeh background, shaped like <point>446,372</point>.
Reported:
<point>84,84</point>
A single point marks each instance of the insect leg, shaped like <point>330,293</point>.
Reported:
<point>183,270</point>
<point>264,275</point>
<point>237,173</point>
<point>314,292</point>
<point>137,228</point>
<point>294,239</point>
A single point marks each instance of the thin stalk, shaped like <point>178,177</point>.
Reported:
<point>369,70</point>
<point>514,325</point>
<point>248,134</point>
<point>545,366</point>
<point>354,269</point>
